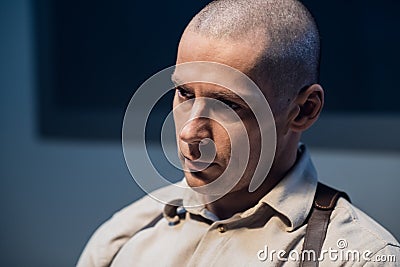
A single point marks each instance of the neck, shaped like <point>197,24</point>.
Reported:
<point>241,200</point>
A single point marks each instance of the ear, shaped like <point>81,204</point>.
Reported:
<point>307,107</point>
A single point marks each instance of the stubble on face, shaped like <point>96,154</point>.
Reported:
<point>243,56</point>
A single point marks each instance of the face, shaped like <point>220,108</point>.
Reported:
<point>204,143</point>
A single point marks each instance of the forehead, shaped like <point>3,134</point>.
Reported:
<point>240,54</point>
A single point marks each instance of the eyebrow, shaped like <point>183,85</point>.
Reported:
<point>176,80</point>
<point>226,95</point>
<point>221,96</point>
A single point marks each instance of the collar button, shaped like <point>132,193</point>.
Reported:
<point>221,228</point>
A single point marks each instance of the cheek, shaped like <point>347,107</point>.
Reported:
<point>180,118</point>
<point>234,144</point>
<point>254,136</point>
<point>254,139</point>
<point>222,141</point>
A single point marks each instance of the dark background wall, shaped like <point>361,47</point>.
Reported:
<point>55,188</point>
<point>91,56</point>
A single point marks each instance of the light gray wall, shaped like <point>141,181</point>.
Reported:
<point>54,194</point>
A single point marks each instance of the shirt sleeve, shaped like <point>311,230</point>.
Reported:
<point>114,233</point>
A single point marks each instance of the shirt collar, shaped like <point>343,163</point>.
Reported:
<point>191,202</point>
<point>292,197</point>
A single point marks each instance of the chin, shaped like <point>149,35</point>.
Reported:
<point>196,179</point>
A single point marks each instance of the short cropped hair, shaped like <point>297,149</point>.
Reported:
<point>290,60</point>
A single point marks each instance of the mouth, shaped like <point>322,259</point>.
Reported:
<point>197,166</point>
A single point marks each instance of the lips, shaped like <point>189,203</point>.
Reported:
<point>197,166</point>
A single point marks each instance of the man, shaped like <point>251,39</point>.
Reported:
<point>276,44</point>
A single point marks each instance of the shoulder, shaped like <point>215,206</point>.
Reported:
<point>115,232</point>
<point>349,219</point>
<point>352,229</point>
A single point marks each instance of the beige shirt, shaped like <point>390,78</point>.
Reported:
<point>269,234</point>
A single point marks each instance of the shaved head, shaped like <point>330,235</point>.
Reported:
<point>289,60</point>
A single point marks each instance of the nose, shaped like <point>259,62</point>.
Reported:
<point>196,142</point>
<point>198,125</point>
<point>196,130</point>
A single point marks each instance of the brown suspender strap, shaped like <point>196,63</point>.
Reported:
<point>324,202</point>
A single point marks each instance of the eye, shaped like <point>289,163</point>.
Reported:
<point>231,104</point>
<point>183,93</point>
